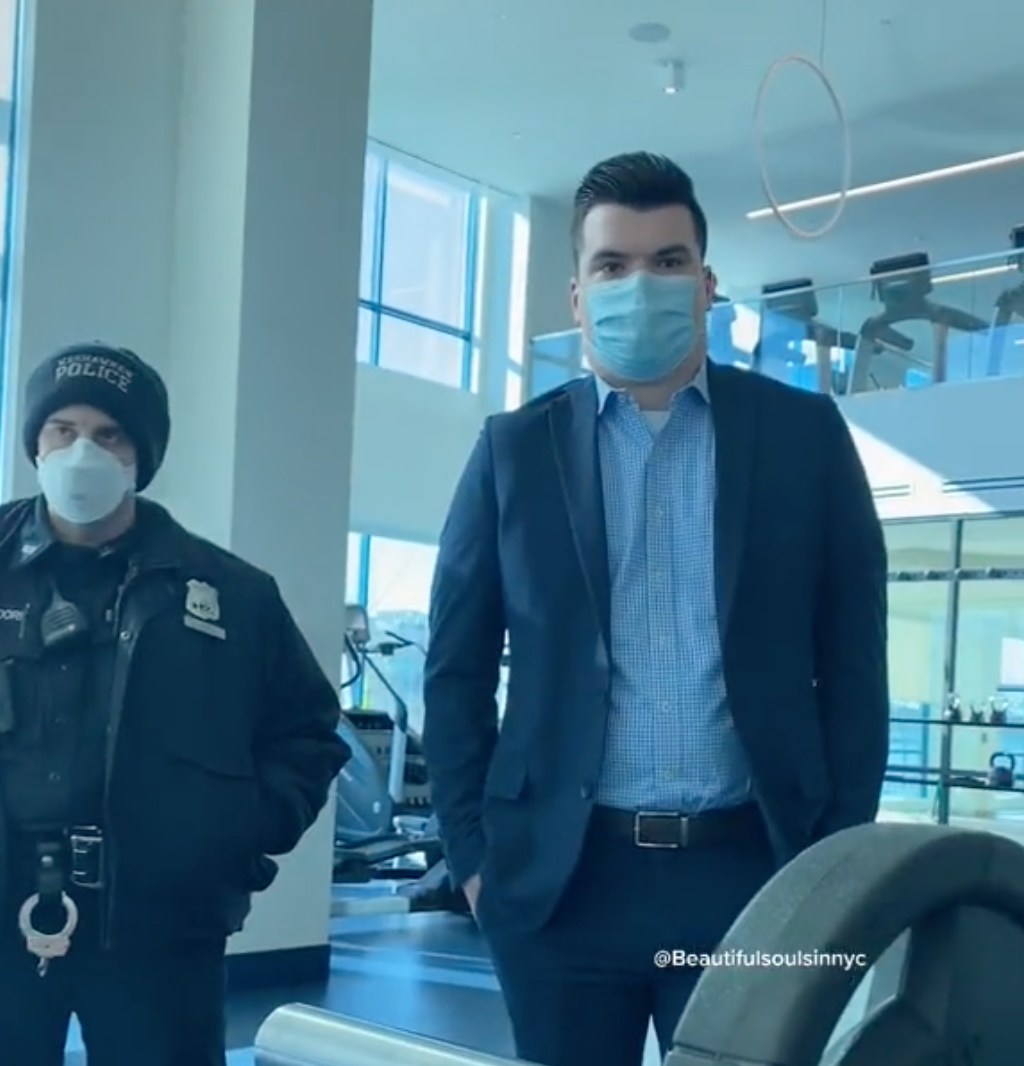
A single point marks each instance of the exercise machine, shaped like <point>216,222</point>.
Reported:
<point>903,286</point>
<point>1008,307</point>
<point>383,798</point>
<point>376,824</point>
<point>789,318</point>
<point>928,918</point>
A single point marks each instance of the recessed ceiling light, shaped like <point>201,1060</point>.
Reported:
<point>650,33</point>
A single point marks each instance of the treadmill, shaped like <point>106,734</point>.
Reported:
<point>1009,306</point>
<point>789,316</point>
<point>903,285</point>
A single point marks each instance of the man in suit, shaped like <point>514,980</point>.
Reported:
<point>689,569</point>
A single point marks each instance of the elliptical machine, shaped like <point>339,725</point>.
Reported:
<point>383,804</point>
<point>375,820</point>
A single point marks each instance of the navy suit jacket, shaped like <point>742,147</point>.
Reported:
<point>800,568</point>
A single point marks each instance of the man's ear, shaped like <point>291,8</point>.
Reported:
<point>574,301</point>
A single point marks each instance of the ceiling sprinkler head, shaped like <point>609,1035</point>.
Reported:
<point>673,75</point>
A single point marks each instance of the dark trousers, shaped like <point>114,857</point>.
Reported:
<point>583,990</point>
<point>162,1006</point>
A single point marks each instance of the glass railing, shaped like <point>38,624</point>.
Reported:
<point>908,325</point>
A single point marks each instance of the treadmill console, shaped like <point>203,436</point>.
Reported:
<point>902,282</point>
<point>1017,244</point>
<point>795,299</point>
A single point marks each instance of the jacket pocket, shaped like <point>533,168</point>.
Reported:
<point>211,813</point>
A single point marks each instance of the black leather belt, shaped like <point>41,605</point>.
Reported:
<point>63,857</point>
<point>655,829</point>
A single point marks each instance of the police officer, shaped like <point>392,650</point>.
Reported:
<point>164,728</point>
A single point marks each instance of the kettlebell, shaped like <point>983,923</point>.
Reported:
<point>953,710</point>
<point>1002,769</point>
<point>977,716</point>
<point>997,712</point>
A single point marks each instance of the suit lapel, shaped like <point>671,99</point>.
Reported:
<point>573,425</point>
<point>735,415</point>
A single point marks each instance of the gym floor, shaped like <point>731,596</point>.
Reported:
<point>421,973</point>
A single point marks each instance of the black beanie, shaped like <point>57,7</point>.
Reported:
<point>114,381</point>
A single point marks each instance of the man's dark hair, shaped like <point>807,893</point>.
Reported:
<point>641,181</point>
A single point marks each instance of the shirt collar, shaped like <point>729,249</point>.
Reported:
<point>36,537</point>
<point>699,382</point>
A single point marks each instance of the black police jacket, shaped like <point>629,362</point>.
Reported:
<point>223,728</point>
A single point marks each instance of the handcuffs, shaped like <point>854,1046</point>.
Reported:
<point>47,946</point>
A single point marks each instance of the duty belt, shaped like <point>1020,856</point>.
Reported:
<point>72,857</point>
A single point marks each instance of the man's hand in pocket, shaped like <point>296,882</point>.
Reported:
<point>471,890</point>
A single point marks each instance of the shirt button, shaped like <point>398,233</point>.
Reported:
<point>53,777</point>
<point>586,792</point>
<point>125,635</point>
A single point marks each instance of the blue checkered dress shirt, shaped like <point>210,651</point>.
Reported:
<point>670,742</point>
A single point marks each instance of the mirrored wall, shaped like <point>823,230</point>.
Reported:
<point>956,660</point>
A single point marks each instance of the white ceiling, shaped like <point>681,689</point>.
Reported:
<point>526,95</point>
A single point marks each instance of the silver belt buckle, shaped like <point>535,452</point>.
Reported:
<point>681,822</point>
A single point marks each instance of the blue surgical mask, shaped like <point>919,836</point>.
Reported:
<point>642,327</point>
<point>84,483</point>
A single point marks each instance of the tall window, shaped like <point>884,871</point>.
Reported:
<point>419,270</point>
<point>9,58</point>
<point>392,579</point>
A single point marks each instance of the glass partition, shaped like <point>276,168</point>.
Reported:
<point>920,546</point>
<point>908,324</point>
<point>990,681</point>
<point>918,627</point>
<point>993,542</point>
<point>956,665</point>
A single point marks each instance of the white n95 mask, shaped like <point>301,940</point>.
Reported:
<point>84,483</point>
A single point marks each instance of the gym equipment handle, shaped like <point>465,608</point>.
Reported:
<point>304,1036</point>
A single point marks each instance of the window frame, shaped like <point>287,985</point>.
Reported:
<point>376,200</point>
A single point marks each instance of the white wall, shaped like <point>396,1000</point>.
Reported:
<point>412,439</point>
<point>945,450</point>
<point>549,268</point>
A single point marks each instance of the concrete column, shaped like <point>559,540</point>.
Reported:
<point>272,138</point>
